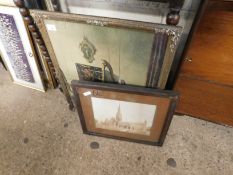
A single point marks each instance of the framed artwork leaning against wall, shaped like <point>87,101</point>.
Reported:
<point>140,10</point>
<point>124,112</point>
<point>108,50</point>
<point>17,49</point>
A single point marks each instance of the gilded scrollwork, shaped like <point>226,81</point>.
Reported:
<point>37,19</point>
<point>175,35</point>
<point>97,22</point>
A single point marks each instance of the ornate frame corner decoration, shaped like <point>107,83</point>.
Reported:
<point>97,22</point>
<point>175,35</point>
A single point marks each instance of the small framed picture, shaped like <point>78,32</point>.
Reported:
<point>124,112</point>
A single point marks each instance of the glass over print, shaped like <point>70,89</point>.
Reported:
<point>124,112</point>
<point>112,50</point>
<point>123,116</point>
<point>125,53</point>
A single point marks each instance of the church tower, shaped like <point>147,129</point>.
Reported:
<point>119,114</point>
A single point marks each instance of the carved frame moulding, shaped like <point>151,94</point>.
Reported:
<point>45,60</point>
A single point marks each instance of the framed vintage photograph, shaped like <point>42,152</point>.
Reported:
<point>124,112</point>
<point>109,50</point>
<point>17,49</point>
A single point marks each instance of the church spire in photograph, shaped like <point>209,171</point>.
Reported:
<point>119,114</point>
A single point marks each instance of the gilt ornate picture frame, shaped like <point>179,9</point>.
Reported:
<point>124,112</point>
<point>17,50</point>
<point>127,52</point>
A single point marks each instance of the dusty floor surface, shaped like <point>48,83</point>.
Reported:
<point>40,136</point>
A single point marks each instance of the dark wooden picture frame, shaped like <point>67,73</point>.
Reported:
<point>85,93</point>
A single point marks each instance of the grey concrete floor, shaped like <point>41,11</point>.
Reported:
<point>40,136</point>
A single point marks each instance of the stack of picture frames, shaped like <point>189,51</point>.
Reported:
<point>114,71</point>
<point>18,53</point>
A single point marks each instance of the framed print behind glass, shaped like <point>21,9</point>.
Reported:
<point>108,50</point>
<point>124,112</point>
<point>17,49</point>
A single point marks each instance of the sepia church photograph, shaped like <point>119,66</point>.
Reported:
<point>118,117</point>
